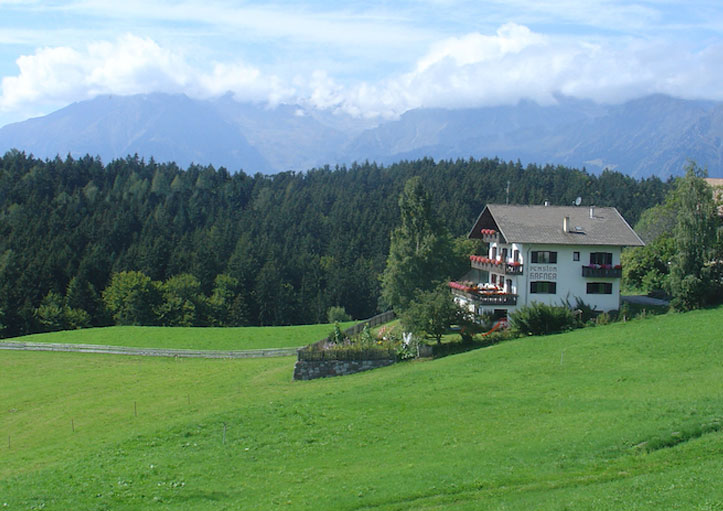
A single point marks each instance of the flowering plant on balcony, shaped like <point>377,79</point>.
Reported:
<point>489,288</point>
<point>515,263</point>
<point>489,232</point>
<point>467,287</point>
<point>484,260</point>
<point>486,288</point>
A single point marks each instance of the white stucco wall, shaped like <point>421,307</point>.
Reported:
<point>566,273</point>
<point>568,276</point>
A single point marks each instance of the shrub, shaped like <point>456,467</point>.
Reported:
<point>347,352</point>
<point>505,334</point>
<point>541,319</point>
<point>584,312</point>
<point>472,325</point>
<point>389,344</point>
<point>337,314</point>
<point>336,336</point>
<point>603,319</point>
<point>624,313</point>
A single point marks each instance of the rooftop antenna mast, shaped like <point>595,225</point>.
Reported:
<point>507,201</point>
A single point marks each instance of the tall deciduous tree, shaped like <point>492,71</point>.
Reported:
<point>183,302</point>
<point>421,253</point>
<point>132,298</point>
<point>432,313</point>
<point>695,275</point>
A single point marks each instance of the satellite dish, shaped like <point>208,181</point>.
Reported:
<point>578,201</point>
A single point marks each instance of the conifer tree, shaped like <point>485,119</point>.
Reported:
<point>421,252</point>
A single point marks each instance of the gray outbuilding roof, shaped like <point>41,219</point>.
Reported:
<point>544,224</point>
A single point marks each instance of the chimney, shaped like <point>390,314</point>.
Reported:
<point>566,224</point>
<point>592,211</point>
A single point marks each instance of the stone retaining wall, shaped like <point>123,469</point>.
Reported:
<point>312,369</point>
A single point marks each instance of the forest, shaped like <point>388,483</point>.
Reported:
<point>204,246</point>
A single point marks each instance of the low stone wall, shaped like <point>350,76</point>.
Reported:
<point>312,369</point>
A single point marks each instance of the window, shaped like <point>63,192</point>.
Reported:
<point>517,256</point>
<point>544,257</point>
<point>494,252</point>
<point>494,278</point>
<point>504,254</point>
<point>576,256</point>
<point>543,287</point>
<point>508,286</point>
<point>499,314</point>
<point>599,288</point>
<point>601,258</point>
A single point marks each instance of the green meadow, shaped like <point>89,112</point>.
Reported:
<point>198,338</point>
<point>624,416</point>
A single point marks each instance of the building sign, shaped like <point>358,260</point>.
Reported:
<point>547,272</point>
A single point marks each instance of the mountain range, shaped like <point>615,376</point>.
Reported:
<point>652,135</point>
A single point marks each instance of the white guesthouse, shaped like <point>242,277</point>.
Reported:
<point>549,254</point>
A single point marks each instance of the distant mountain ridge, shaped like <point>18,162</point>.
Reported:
<point>653,135</point>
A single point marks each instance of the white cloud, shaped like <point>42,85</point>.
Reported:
<point>475,48</point>
<point>62,74</point>
<point>247,83</point>
<point>474,69</point>
<point>50,74</point>
<point>128,65</point>
<point>132,65</point>
<point>516,63</point>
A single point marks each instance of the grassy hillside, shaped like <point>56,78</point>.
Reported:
<point>241,338</point>
<point>625,416</point>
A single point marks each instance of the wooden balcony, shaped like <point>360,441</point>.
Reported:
<point>479,297</point>
<point>602,273</point>
<point>490,236</point>
<point>498,299</point>
<point>492,265</point>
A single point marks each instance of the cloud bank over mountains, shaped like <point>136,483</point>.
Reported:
<point>499,66</point>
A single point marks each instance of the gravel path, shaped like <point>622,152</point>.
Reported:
<point>146,352</point>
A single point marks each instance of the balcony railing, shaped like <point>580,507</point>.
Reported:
<point>513,269</point>
<point>493,265</point>
<point>600,272</point>
<point>481,297</point>
<point>499,299</point>
<point>490,235</point>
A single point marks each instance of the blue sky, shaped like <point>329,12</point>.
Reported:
<point>371,58</point>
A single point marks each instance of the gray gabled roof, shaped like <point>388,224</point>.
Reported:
<point>544,224</point>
